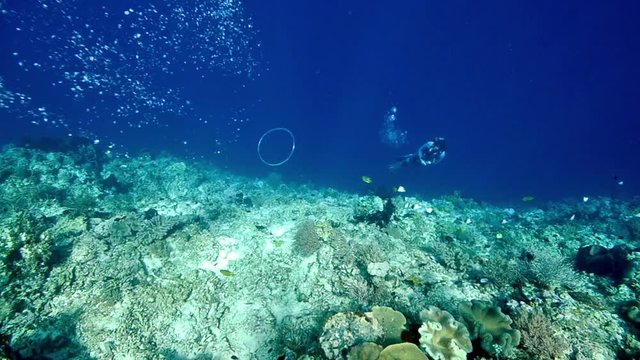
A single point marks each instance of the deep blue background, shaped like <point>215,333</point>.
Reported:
<point>534,98</point>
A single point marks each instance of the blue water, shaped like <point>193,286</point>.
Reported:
<point>536,98</point>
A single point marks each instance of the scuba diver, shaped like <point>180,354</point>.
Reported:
<point>431,152</point>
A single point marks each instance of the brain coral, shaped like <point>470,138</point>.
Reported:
<point>442,337</point>
<point>488,323</point>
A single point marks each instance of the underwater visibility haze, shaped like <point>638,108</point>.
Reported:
<point>225,179</point>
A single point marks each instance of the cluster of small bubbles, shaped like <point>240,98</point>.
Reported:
<point>236,123</point>
<point>7,98</point>
<point>118,62</point>
<point>389,133</point>
<point>22,106</point>
<point>218,146</point>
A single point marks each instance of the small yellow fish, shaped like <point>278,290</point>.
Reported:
<point>528,198</point>
<point>367,179</point>
<point>227,272</point>
<point>414,280</point>
<point>499,236</point>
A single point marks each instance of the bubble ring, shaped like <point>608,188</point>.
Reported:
<point>293,146</point>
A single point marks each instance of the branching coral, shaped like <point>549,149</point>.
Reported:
<point>539,338</point>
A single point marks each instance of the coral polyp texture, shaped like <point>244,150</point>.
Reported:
<point>149,257</point>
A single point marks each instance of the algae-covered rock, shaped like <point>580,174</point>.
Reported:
<point>368,205</point>
<point>488,323</point>
<point>442,337</point>
<point>404,351</point>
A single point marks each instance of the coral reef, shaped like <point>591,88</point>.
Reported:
<point>153,256</point>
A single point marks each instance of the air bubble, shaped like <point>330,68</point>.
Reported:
<point>96,59</point>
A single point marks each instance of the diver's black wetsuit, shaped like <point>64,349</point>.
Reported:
<point>431,152</point>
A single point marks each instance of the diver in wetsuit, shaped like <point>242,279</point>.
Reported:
<point>431,152</point>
